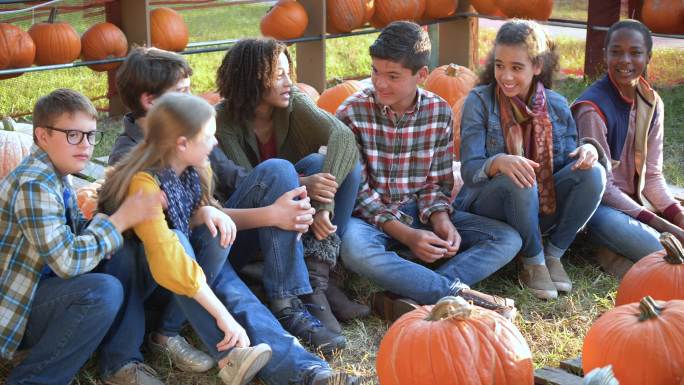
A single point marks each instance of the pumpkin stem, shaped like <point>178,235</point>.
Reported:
<point>453,69</point>
<point>648,308</point>
<point>53,15</point>
<point>450,307</point>
<point>674,249</point>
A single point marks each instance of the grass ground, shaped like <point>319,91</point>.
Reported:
<point>554,329</point>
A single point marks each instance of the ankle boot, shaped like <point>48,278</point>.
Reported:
<point>318,306</point>
<point>344,308</point>
<point>320,256</point>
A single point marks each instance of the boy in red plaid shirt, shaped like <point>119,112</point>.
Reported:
<point>405,138</point>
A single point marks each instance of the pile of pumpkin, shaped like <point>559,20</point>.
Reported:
<point>57,42</point>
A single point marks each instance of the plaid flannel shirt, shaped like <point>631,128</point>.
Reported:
<point>403,158</point>
<point>34,232</point>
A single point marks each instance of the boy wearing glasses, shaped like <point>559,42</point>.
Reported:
<point>49,307</point>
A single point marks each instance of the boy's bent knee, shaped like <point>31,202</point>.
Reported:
<point>105,292</point>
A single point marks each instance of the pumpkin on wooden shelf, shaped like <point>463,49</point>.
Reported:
<point>168,29</point>
<point>103,41</point>
<point>332,97</point>
<point>287,19</point>
<point>659,275</point>
<point>451,82</point>
<point>528,9</point>
<point>56,42</point>
<point>17,49</point>
<point>14,146</point>
<point>86,198</point>
<point>439,9</point>
<point>642,341</point>
<point>345,15</point>
<point>387,11</point>
<point>309,91</point>
<point>457,114</point>
<point>454,343</point>
<point>487,7</point>
<point>664,16</point>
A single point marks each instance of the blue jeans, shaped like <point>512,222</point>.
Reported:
<point>622,234</point>
<point>285,273</point>
<point>486,246</point>
<point>129,265</point>
<point>578,194</point>
<point>347,190</point>
<point>68,320</point>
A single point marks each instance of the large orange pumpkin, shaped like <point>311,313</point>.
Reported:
<point>86,199</point>
<point>331,98</point>
<point>345,15</point>
<point>528,9</point>
<point>659,275</point>
<point>457,113</point>
<point>387,11</point>
<point>451,82</point>
<point>103,41</point>
<point>56,42</point>
<point>14,146</point>
<point>642,341</point>
<point>168,29</point>
<point>309,91</point>
<point>287,19</point>
<point>438,9</point>
<point>454,343</point>
<point>487,7</point>
<point>16,49</point>
<point>664,16</point>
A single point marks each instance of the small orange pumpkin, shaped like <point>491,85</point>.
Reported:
<point>17,49</point>
<point>345,15</point>
<point>457,112</point>
<point>309,90</point>
<point>487,7</point>
<point>454,343</point>
<point>287,19</point>
<point>663,16</point>
<point>103,41</point>
<point>56,42</point>
<point>451,82</point>
<point>387,11</point>
<point>659,275</point>
<point>86,199</point>
<point>439,9</point>
<point>331,98</point>
<point>14,146</point>
<point>528,9</point>
<point>211,97</point>
<point>168,29</point>
<point>642,341</point>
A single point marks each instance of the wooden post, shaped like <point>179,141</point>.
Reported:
<point>458,39</point>
<point>133,17</point>
<point>600,13</point>
<point>311,54</point>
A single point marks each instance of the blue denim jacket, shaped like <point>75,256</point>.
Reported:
<point>482,138</point>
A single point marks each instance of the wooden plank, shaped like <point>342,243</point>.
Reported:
<point>573,365</point>
<point>600,13</point>
<point>103,160</point>
<point>92,172</point>
<point>311,54</point>
<point>458,40</point>
<point>555,376</point>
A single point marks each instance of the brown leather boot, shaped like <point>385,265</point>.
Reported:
<point>318,306</point>
<point>344,308</point>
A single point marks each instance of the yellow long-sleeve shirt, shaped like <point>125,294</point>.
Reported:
<point>170,265</point>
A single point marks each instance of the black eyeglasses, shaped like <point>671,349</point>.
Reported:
<point>75,137</point>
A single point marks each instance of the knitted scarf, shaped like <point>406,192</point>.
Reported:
<point>528,132</point>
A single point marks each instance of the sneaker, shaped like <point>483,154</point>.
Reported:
<point>613,263</point>
<point>244,363</point>
<point>558,275</point>
<point>300,323</point>
<point>537,280</point>
<point>183,355</point>
<point>328,377</point>
<point>390,306</point>
<point>504,306</point>
<point>134,373</point>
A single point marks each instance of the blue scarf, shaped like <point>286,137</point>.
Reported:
<point>183,194</point>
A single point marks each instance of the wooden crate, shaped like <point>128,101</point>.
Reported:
<point>569,372</point>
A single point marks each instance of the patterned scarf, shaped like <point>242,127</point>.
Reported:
<point>528,132</point>
<point>183,195</point>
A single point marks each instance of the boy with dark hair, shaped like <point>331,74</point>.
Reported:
<point>250,205</point>
<point>405,137</point>
<point>48,303</point>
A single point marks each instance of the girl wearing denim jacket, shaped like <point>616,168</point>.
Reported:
<point>520,159</point>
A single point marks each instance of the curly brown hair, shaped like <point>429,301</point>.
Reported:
<point>540,49</point>
<point>248,70</point>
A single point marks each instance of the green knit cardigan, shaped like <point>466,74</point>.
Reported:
<point>300,129</point>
